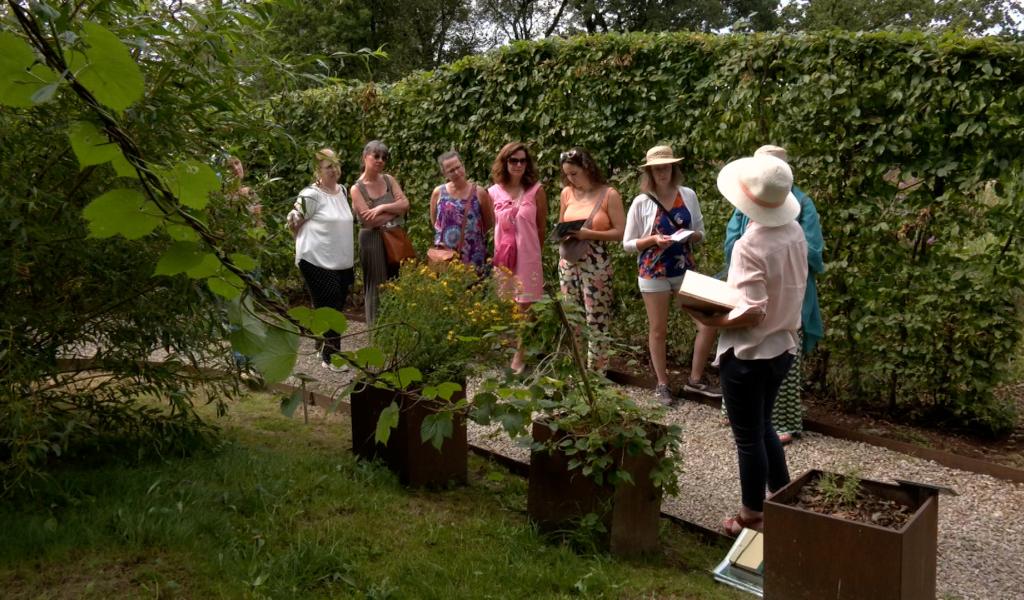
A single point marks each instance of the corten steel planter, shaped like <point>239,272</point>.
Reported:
<point>558,496</point>
<point>417,463</point>
<point>817,557</point>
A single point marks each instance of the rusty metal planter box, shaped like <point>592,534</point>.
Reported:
<point>417,463</point>
<point>558,496</point>
<point>817,557</point>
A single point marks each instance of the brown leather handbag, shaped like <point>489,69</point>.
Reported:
<point>397,245</point>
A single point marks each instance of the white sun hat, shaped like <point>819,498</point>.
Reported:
<point>772,150</point>
<point>759,186</point>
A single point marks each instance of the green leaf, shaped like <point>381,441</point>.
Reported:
<point>207,267</point>
<point>276,358</point>
<point>436,428</point>
<point>22,84</point>
<point>408,376</point>
<point>328,319</point>
<point>181,233</point>
<point>228,285</point>
<point>107,68</point>
<point>91,145</point>
<point>179,258</point>
<point>370,357</point>
<point>121,212</point>
<point>446,389</point>
<point>290,403</point>
<point>244,261</point>
<point>123,168</point>
<point>248,330</point>
<point>387,421</point>
<point>191,182</point>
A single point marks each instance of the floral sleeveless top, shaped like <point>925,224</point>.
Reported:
<point>657,263</point>
<point>448,227</point>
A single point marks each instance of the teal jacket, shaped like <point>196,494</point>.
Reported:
<point>813,327</point>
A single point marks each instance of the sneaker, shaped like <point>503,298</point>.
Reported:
<point>332,367</point>
<point>664,394</point>
<point>703,388</point>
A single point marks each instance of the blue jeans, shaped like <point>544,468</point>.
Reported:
<point>750,388</point>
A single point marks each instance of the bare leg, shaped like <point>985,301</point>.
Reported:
<point>656,304</point>
<point>701,349</point>
<point>518,359</point>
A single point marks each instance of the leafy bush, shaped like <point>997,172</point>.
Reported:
<point>908,143</point>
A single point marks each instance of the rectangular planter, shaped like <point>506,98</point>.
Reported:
<point>813,556</point>
<point>417,463</point>
<point>558,496</point>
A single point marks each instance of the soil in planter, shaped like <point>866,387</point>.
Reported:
<point>865,508</point>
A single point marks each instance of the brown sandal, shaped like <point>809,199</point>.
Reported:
<point>735,525</point>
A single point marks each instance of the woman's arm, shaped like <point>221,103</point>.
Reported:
<point>696,218</point>
<point>401,204</point>
<point>542,214</point>
<point>631,237</point>
<point>563,202</point>
<point>434,196</point>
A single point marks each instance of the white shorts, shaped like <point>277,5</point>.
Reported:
<point>669,284</point>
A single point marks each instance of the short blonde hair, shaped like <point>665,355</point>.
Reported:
<point>321,155</point>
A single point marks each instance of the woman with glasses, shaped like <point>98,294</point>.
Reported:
<point>380,204</point>
<point>322,224</point>
<point>584,266</point>
<point>520,214</point>
<point>461,212</point>
<point>665,209</point>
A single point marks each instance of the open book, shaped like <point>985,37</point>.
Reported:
<point>681,235</point>
<point>707,294</point>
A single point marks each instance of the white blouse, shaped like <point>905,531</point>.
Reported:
<point>326,236</point>
<point>643,210</point>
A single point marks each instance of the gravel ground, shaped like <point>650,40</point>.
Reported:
<point>981,537</point>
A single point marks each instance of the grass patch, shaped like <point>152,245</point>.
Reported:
<point>282,510</point>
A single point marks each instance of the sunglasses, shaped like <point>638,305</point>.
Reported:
<point>518,161</point>
<point>570,155</point>
<point>379,156</point>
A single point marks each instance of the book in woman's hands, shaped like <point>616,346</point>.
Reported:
<point>564,228</point>
<point>707,294</point>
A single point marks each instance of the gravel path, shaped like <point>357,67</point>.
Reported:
<point>981,537</point>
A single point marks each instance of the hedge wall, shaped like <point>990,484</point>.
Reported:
<point>911,146</point>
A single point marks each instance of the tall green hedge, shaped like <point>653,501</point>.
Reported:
<point>911,145</point>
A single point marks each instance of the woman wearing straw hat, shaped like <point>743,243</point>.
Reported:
<point>760,336</point>
<point>662,209</point>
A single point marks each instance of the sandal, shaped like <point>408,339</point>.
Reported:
<point>735,525</point>
<point>785,438</point>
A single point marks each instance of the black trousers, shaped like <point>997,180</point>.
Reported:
<point>328,288</point>
<point>750,388</point>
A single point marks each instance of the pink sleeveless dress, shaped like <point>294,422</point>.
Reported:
<point>527,285</point>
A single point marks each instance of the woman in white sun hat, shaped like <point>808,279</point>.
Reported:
<point>759,338</point>
<point>663,208</point>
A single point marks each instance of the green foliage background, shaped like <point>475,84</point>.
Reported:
<point>910,145</point>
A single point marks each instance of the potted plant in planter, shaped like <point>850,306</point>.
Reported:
<point>432,327</point>
<point>594,451</point>
<point>838,536</point>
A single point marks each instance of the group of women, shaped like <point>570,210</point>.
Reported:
<point>768,265</point>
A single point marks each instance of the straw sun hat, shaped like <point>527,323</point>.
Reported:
<point>759,186</point>
<point>660,155</point>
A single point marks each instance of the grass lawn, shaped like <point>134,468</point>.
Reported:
<point>283,511</point>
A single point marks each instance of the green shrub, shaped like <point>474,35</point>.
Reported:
<point>918,318</point>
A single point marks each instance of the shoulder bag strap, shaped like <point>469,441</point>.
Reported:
<point>597,207</point>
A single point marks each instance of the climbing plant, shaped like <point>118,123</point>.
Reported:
<point>909,143</point>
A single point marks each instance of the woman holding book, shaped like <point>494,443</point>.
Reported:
<point>759,337</point>
<point>592,215</point>
<point>663,224</point>
<point>520,216</point>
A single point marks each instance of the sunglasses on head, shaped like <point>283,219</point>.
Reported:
<point>570,155</point>
<point>517,161</point>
